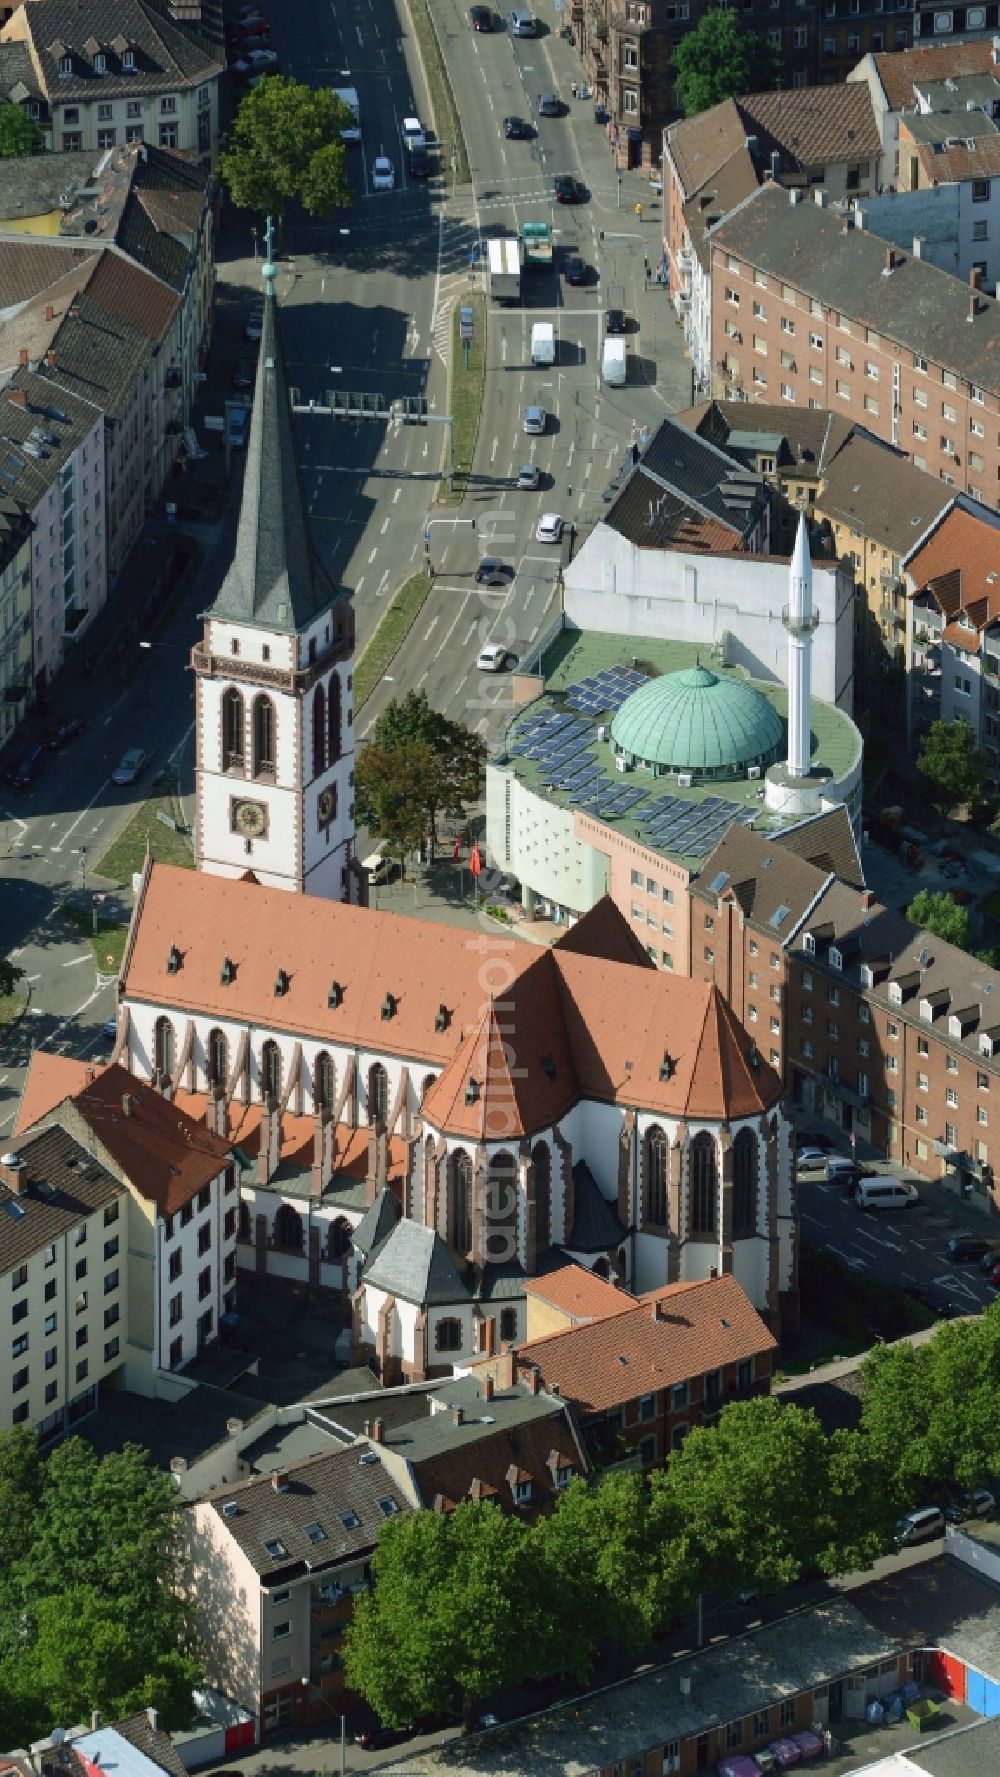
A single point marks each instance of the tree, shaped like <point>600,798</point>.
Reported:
<point>454,1614</point>
<point>454,760</point>
<point>390,794</point>
<point>752,1494</point>
<point>89,1602</point>
<point>719,59</point>
<point>285,146</point>
<point>18,135</point>
<point>10,975</point>
<point>951,763</point>
<point>929,1412</point>
<point>938,913</point>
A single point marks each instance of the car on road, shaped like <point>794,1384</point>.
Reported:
<point>919,1526</point>
<point>244,373</point>
<point>413,130</point>
<point>383,174</point>
<point>59,734</point>
<point>809,1156</point>
<point>881,1191</point>
<point>549,528</point>
<point>515,129</point>
<point>839,1165</point>
<point>238,426</point>
<point>934,1296</point>
<point>255,326</point>
<point>575,270</point>
<point>972,1249</point>
<point>523,24</point>
<point>256,61</point>
<point>547,105</point>
<point>26,767</point>
<point>993,1274</point>
<point>566,189</point>
<point>970,1502</point>
<point>418,161</point>
<point>109,1029</point>
<point>614,321</point>
<point>491,571</point>
<point>492,658</point>
<point>130,766</point>
<point>480,18</point>
<point>533,421</point>
<point>528,478</point>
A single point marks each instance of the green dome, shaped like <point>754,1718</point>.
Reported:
<point>696,721</point>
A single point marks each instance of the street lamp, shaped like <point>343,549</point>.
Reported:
<point>308,1686</point>
<point>81,852</point>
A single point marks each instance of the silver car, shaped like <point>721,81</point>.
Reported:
<point>533,421</point>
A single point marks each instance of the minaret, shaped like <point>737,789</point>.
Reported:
<point>274,715</point>
<point>800,621</point>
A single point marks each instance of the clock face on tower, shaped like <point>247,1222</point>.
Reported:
<point>325,807</point>
<point>249,818</point>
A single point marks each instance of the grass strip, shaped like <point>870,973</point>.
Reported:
<point>446,119</point>
<point>395,625</point>
<point>12,1007</point>
<point>106,938</point>
<point>167,844</point>
<point>467,393</point>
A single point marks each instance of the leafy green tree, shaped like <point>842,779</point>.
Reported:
<point>857,1524</point>
<point>390,794</point>
<point>18,135</point>
<point>453,1616</point>
<point>285,147</point>
<point>951,764</point>
<point>938,913</point>
<point>720,59</point>
<point>929,1412</point>
<point>91,1653</point>
<point>455,758</point>
<point>10,975</point>
<point>752,1494</point>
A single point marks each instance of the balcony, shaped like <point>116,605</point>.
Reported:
<point>890,615</point>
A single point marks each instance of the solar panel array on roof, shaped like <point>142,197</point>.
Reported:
<point>604,691</point>
<point>694,828</point>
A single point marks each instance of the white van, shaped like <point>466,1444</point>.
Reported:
<point>349,132</point>
<point>883,1192</point>
<point>543,343</point>
<point>920,1526</point>
<point>614,363</point>
<point>378,868</point>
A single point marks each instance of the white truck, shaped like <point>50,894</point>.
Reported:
<point>503,270</point>
<point>543,343</point>
<point>348,96</point>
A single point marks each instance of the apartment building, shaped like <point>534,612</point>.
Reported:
<point>95,77</point>
<point>813,138</point>
<point>181,1187</point>
<point>62,1217</point>
<point>829,316</point>
<point>15,614</point>
<point>952,634</point>
<point>876,1026</point>
<point>702,1345</point>
<point>898,79</point>
<point>54,467</point>
<point>852,28</point>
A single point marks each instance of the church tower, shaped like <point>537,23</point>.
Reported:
<point>274,704</point>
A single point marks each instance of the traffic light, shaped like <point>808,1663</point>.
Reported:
<point>414,410</point>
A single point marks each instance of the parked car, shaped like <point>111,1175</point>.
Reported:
<point>575,270</point>
<point>972,1248</point>
<point>238,425</point>
<point>919,1526</point>
<point>879,1191</point>
<point>837,1165</point>
<point>256,61</point>
<point>492,658</point>
<point>514,128</point>
<point>418,161</point>
<point>970,1502</point>
<point>255,325</point>
<point>549,528</point>
<point>244,373</point>
<point>810,1156</point>
<point>480,18</point>
<point>383,174</point>
<point>533,421</point>
<point>614,321</point>
<point>547,105</point>
<point>785,1753</point>
<point>528,477</point>
<point>130,766</point>
<point>491,571</point>
<point>934,1296</point>
<point>59,734</point>
<point>993,1275</point>
<point>26,767</point>
<point>567,190</point>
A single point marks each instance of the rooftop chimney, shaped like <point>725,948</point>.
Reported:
<point>89,1074</point>
<point>487,1388</point>
<point>22,357</point>
<point>74,311</point>
<point>153,1718</point>
<point>378,1431</point>
<point>820,197</point>
<point>775,163</point>
<point>457,1416</point>
<point>918,246</point>
<point>867,900</point>
<point>890,261</point>
<point>18,397</point>
<point>127,1104</point>
<point>795,196</point>
<point>50,360</point>
<point>534,1379</point>
<point>279,1481</point>
<point>95,1720</point>
<point>973,305</point>
<point>976,277</point>
<point>50,313</point>
<point>658,1313</point>
<point>13,1173</point>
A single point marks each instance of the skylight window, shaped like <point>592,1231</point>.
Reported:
<point>275,1547</point>
<point>718,883</point>
<point>315,1532</point>
<point>14,1209</point>
<point>779,916</point>
<point>387,1506</point>
<point>350,1520</point>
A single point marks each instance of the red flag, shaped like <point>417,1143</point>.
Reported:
<point>456,851</point>
<point>476,861</point>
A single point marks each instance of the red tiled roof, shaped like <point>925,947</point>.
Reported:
<point>900,70</point>
<point>350,1145</point>
<point>967,545</point>
<point>965,640</point>
<point>580,1293</point>
<point>603,1363</point>
<point>50,1079</point>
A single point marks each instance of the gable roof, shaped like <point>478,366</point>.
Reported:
<point>314,1493</point>
<point>811,436</point>
<point>274,578</point>
<point>916,305</point>
<point>826,840</point>
<point>605,932</point>
<point>415,1265</point>
<point>580,1293</point>
<point>900,71</point>
<point>467,1446</point>
<point>813,126</point>
<point>377,1223</point>
<point>880,493</point>
<point>50,1079</point>
<point>773,886</point>
<point>167,53</point>
<point>496,1090</point>
<point>966,543</point>
<point>669,1336</point>
<point>64,1184</point>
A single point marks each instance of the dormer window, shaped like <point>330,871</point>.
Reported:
<point>834,958</point>
<point>522,1493</point>
<point>128,61</point>
<point>810,944</point>
<point>563,1478</point>
<point>65,65</point>
<point>100,63</point>
<point>895,994</point>
<point>867,976</point>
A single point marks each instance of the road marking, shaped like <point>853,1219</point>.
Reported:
<point>28,978</point>
<point>382,585</point>
<point>371,558</point>
<point>396,495</point>
<point>385,525</point>
<point>74,962</point>
<point>72,829</point>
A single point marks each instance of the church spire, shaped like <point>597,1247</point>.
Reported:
<point>274,579</point>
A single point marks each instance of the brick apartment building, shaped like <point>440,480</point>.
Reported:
<point>642,1375</point>
<point>830,316</point>
<point>875,1025</point>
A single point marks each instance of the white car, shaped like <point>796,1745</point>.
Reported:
<point>413,130</point>
<point>492,658</point>
<point>383,175</point>
<point>550,528</point>
<point>255,61</point>
<point>808,1157</point>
